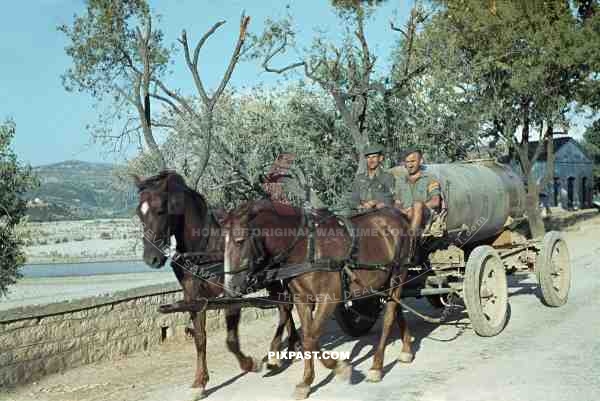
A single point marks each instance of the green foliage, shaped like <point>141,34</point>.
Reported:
<point>255,128</point>
<point>15,180</point>
<point>116,55</point>
<point>353,4</point>
<point>512,58</point>
<point>591,143</point>
<point>104,47</point>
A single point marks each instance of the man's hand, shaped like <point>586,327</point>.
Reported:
<point>380,205</point>
<point>367,205</point>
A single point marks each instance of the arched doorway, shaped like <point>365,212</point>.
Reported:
<point>570,192</point>
<point>584,193</point>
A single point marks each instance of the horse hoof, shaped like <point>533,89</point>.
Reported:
<point>198,394</point>
<point>343,371</point>
<point>374,375</point>
<point>273,363</point>
<point>301,392</point>
<point>406,357</point>
<point>256,365</point>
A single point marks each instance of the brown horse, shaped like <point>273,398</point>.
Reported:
<point>168,207</point>
<point>262,232</point>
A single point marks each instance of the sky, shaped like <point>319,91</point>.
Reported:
<point>51,121</point>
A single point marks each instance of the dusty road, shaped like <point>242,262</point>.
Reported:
<point>543,354</point>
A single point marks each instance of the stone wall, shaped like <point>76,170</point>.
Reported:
<point>38,341</point>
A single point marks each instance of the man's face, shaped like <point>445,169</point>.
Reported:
<point>374,160</point>
<point>413,163</point>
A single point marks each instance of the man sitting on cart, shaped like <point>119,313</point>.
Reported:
<point>373,188</point>
<point>418,194</point>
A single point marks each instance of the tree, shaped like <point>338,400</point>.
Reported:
<point>15,180</point>
<point>346,72</point>
<point>116,52</point>
<point>258,126</point>
<point>523,63</point>
<point>115,60</point>
<point>591,143</point>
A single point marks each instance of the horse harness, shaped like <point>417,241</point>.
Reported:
<point>277,269</point>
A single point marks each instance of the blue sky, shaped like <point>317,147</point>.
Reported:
<point>51,122</point>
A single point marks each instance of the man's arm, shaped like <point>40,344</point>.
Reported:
<point>355,195</point>
<point>434,195</point>
<point>388,197</point>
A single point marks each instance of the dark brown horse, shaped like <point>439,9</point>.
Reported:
<point>262,231</point>
<point>168,207</point>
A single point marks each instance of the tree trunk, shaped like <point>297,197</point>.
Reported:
<point>534,217</point>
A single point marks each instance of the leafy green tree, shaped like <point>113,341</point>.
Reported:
<point>522,63</point>
<point>345,71</point>
<point>15,180</point>
<point>117,54</point>
<point>591,143</point>
<point>255,128</point>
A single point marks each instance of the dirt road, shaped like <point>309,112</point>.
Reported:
<point>543,354</point>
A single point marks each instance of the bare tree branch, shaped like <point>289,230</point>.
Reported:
<point>163,99</point>
<point>193,63</point>
<point>244,21</point>
<point>397,29</point>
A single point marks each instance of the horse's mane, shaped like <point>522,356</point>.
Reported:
<point>175,182</point>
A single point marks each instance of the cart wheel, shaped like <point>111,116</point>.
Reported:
<point>553,269</point>
<point>357,320</point>
<point>485,291</point>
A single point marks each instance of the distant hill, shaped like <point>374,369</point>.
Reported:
<point>79,190</point>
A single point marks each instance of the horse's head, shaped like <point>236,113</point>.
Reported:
<point>245,248</point>
<point>157,212</point>
<point>238,252</point>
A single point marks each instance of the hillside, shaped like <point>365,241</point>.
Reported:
<point>79,190</point>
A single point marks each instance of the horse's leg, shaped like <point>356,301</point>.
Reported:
<point>285,321</point>
<point>406,355</point>
<point>232,319</point>
<point>199,334</point>
<point>308,344</point>
<point>375,373</point>
<point>341,368</point>
<point>311,332</point>
<point>294,340</point>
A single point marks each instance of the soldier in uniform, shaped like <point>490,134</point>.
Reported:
<point>373,188</point>
<point>417,195</point>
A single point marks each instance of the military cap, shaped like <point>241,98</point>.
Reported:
<point>373,149</point>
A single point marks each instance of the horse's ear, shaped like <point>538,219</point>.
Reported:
<point>137,180</point>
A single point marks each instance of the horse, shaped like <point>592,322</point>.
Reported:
<point>168,207</point>
<point>270,235</point>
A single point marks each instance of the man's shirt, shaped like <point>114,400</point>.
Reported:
<point>378,188</point>
<point>422,190</point>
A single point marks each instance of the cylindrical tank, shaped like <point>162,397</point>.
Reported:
<point>481,197</point>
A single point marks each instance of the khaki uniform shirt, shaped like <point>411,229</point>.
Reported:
<point>378,188</point>
<point>422,190</point>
